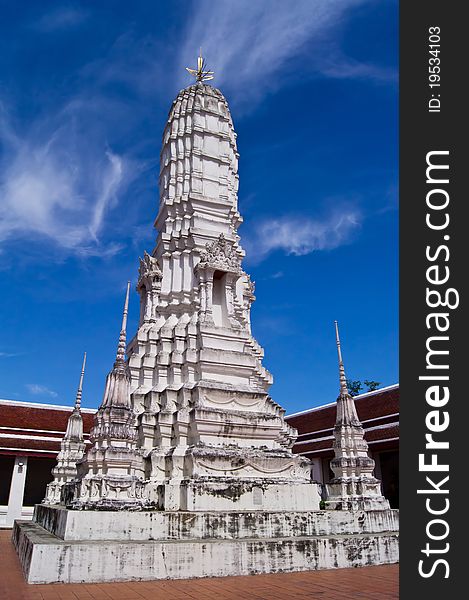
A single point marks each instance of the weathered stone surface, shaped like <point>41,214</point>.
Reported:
<point>46,559</point>
<point>167,525</point>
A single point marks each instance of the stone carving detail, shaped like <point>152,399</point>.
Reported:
<point>109,493</point>
<point>251,288</point>
<point>220,254</point>
<point>149,273</point>
<point>234,402</point>
<point>289,470</point>
<point>149,286</point>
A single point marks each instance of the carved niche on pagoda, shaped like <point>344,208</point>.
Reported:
<point>218,271</point>
<point>149,287</point>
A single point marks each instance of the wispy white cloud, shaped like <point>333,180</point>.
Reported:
<point>391,199</point>
<point>57,184</point>
<point>135,61</point>
<point>9,354</point>
<point>268,35</point>
<point>60,19</point>
<point>60,180</point>
<point>338,66</point>
<point>300,236</point>
<point>110,184</point>
<point>40,390</point>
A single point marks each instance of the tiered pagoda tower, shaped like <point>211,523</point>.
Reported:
<point>186,423</point>
<point>72,449</point>
<point>354,486</point>
<point>212,435</point>
<point>111,473</point>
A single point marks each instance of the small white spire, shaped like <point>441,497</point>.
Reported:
<point>343,379</point>
<point>80,385</point>
<point>122,337</point>
<point>353,487</point>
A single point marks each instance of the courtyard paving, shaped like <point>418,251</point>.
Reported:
<point>369,583</point>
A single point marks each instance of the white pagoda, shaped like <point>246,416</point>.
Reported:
<point>213,437</point>
<point>354,486</point>
<point>190,472</point>
<point>72,450</point>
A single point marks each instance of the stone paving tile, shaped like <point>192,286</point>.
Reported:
<point>369,583</point>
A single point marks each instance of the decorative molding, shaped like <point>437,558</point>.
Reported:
<point>233,401</point>
<point>221,255</point>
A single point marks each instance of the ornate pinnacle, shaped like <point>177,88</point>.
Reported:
<point>122,337</point>
<point>201,73</point>
<point>343,381</point>
<point>80,385</point>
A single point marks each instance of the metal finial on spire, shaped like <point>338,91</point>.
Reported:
<point>80,385</point>
<point>343,380</point>
<point>122,337</point>
<point>201,73</point>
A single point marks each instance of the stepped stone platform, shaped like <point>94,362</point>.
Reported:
<point>148,545</point>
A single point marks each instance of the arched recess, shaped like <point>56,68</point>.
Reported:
<point>219,304</point>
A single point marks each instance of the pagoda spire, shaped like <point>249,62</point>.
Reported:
<point>80,385</point>
<point>117,390</point>
<point>343,380</point>
<point>346,411</point>
<point>120,355</point>
<point>201,73</point>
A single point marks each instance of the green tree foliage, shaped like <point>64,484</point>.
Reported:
<point>371,385</point>
<point>355,386</point>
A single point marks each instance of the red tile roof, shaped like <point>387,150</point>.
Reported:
<point>35,429</point>
<point>378,412</point>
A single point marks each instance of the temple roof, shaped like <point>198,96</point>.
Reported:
<point>36,429</point>
<point>32,429</point>
<point>378,412</point>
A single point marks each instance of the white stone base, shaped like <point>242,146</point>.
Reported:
<point>94,546</point>
<point>352,495</point>
<point>74,525</point>
<point>233,494</point>
<point>46,559</point>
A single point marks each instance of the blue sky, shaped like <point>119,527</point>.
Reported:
<point>313,90</point>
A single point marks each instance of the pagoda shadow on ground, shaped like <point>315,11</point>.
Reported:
<point>90,546</point>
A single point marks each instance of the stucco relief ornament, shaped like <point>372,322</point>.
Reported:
<point>149,285</point>
<point>250,289</point>
<point>220,254</point>
<point>149,272</point>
